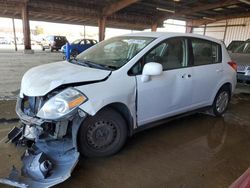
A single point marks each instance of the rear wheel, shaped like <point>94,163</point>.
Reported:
<point>221,101</point>
<point>103,134</point>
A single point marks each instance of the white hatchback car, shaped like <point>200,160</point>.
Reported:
<point>91,104</point>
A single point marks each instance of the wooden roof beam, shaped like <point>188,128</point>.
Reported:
<point>208,6</point>
<point>118,5</point>
<point>199,22</point>
<point>202,7</point>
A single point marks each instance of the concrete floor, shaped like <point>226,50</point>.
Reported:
<point>14,64</point>
<point>195,151</point>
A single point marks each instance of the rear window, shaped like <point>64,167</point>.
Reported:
<point>244,48</point>
<point>205,52</point>
<point>234,45</point>
<point>60,38</point>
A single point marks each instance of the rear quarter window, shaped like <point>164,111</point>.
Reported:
<point>205,52</point>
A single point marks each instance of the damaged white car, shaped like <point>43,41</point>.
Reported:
<point>93,103</point>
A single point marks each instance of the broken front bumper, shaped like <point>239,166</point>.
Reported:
<point>50,156</point>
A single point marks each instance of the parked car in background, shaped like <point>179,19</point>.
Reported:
<point>234,45</point>
<point>242,57</point>
<point>53,42</point>
<point>94,103</point>
<point>78,46</point>
<point>6,40</point>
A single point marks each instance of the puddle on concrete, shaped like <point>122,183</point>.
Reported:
<point>196,151</point>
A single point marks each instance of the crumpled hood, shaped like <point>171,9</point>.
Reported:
<point>40,80</point>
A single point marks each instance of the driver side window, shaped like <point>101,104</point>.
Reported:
<point>170,53</point>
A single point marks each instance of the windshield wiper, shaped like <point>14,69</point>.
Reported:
<point>93,65</point>
<point>74,61</point>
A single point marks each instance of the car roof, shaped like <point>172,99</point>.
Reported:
<point>172,34</point>
<point>88,39</point>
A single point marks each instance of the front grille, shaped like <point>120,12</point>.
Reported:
<point>241,73</point>
<point>241,68</point>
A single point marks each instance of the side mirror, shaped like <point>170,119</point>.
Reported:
<point>151,69</point>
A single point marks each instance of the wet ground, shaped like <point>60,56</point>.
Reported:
<point>192,152</point>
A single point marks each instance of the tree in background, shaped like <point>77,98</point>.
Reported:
<point>39,30</point>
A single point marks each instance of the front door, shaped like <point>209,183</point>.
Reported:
<point>168,94</point>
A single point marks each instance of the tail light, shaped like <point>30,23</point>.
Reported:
<point>233,65</point>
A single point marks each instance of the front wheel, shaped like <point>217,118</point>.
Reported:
<point>221,101</point>
<point>103,134</point>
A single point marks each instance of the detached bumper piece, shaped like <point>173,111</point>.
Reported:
<point>51,153</point>
<point>44,164</point>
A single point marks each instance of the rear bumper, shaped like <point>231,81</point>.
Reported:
<point>243,77</point>
<point>49,160</point>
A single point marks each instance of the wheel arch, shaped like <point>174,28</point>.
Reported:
<point>227,85</point>
<point>125,113</point>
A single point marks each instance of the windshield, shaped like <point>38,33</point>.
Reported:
<point>244,48</point>
<point>114,52</point>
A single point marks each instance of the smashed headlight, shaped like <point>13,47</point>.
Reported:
<point>61,104</point>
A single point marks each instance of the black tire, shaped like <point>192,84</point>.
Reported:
<point>43,48</point>
<point>217,111</point>
<point>102,135</point>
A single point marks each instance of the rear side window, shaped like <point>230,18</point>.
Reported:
<point>205,52</point>
<point>87,41</point>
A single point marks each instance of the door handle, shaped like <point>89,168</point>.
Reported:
<point>186,76</point>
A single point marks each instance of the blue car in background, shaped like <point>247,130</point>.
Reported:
<point>78,46</point>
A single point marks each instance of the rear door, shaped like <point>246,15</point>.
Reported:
<point>206,60</point>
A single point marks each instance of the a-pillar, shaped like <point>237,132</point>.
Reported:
<point>154,27</point>
<point>26,29</point>
<point>102,27</point>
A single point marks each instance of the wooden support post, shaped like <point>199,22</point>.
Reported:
<point>205,28</point>
<point>225,32</point>
<point>14,32</point>
<point>102,26</point>
<point>189,27</point>
<point>154,27</point>
<point>26,27</point>
<point>84,31</point>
